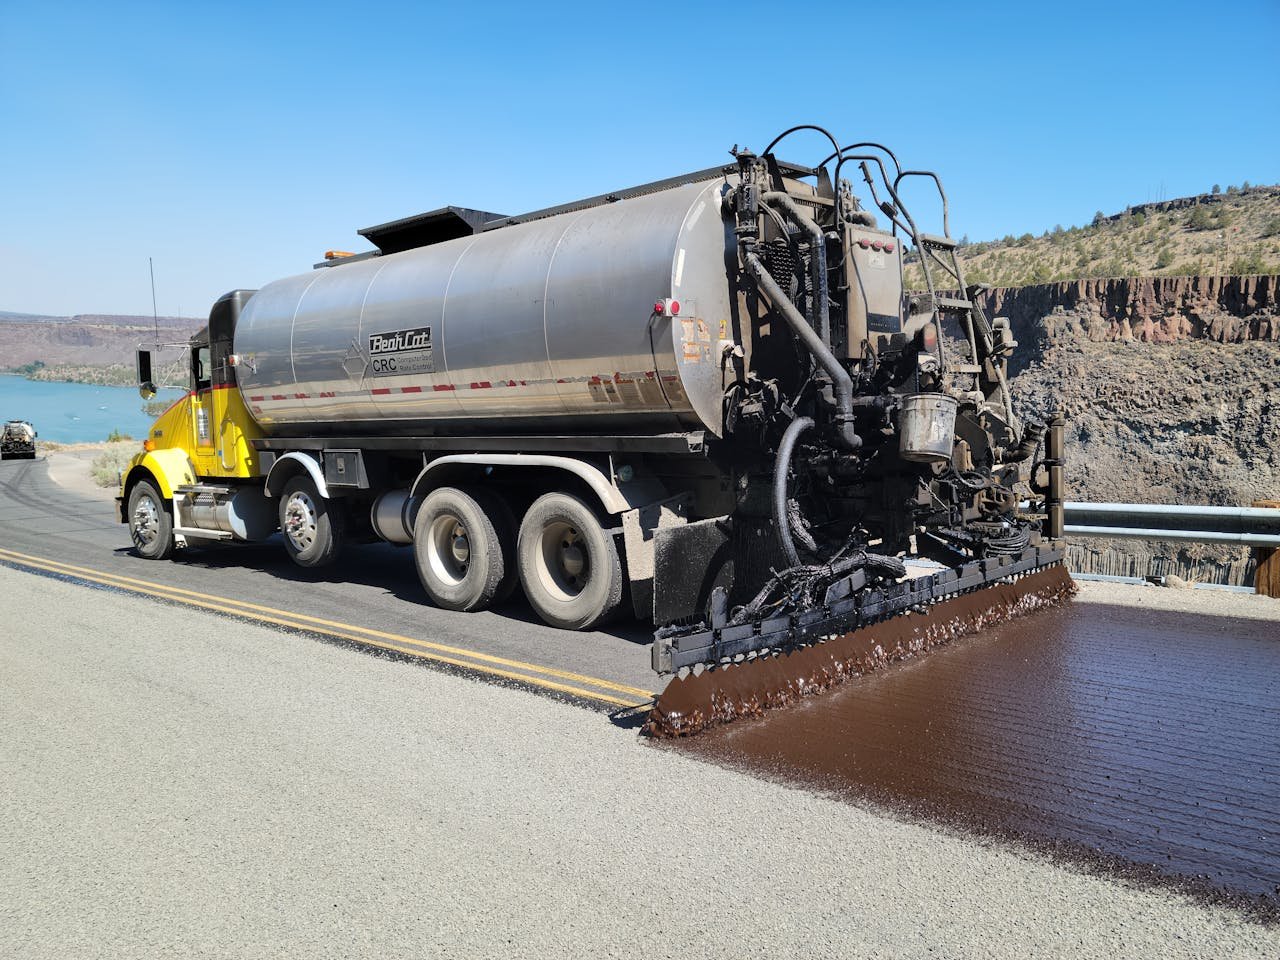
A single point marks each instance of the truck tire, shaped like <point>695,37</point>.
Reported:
<point>312,526</point>
<point>569,567</point>
<point>504,525</point>
<point>458,549</point>
<point>150,523</point>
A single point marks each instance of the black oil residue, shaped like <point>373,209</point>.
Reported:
<point>1142,738</point>
<point>694,702</point>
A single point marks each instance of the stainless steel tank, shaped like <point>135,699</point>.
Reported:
<point>515,329</point>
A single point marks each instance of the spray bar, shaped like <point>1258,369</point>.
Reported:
<point>846,607</point>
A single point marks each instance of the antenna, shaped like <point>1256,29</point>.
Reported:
<point>154,313</point>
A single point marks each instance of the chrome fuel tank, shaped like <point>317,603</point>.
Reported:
<point>528,327</point>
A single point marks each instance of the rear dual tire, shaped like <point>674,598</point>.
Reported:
<point>469,556</point>
<point>569,566</point>
<point>463,544</point>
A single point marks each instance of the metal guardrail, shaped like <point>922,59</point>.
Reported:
<point>1247,526</point>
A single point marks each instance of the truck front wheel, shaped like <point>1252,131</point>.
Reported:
<point>569,566</point>
<point>150,523</point>
<point>312,526</point>
<point>457,544</point>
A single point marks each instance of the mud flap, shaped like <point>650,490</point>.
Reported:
<point>639,528</point>
<point>689,562</point>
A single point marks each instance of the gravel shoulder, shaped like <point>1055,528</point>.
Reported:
<point>69,468</point>
<point>179,784</point>
<point>1214,603</point>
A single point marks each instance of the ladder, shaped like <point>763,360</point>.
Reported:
<point>939,251</point>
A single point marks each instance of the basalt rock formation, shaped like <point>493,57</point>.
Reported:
<point>1171,386</point>
<point>1225,309</point>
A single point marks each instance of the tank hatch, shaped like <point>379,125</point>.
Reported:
<point>424,229</point>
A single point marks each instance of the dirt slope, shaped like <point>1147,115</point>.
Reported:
<point>1235,232</point>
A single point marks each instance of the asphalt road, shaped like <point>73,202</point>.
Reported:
<point>176,782</point>
<point>372,590</point>
<point>180,784</point>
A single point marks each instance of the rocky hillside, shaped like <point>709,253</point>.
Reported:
<point>88,347</point>
<point>1215,233</point>
<point>1171,386</point>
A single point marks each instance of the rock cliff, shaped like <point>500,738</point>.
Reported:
<point>1171,386</point>
<point>1225,309</point>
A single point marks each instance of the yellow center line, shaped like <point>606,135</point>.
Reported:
<point>454,656</point>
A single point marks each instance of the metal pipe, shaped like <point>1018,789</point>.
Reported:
<point>946,225</point>
<point>821,308</point>
<point>1197,536</point>
<point>841,383</point>
<point>1177,510</point>
<point>781,467</point>
<point>1246,520</point>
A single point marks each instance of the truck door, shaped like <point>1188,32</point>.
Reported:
<point>203,411</point>
<point>223,429</point>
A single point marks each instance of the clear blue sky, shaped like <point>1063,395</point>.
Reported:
<point>235,142</point>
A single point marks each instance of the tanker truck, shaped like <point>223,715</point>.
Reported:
<point>17,440</point>
<point>707,402</point>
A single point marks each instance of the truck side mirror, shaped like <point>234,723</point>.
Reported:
<point>146,386</point>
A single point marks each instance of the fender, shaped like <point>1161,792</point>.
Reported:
<point>613,499</point>
<point>293,463</point>
<point>171,468</point>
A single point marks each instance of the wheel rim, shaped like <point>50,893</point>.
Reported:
<point>563,563</point>
<point>449,549</point>
<point>300,520</point>
<point>146,521</point>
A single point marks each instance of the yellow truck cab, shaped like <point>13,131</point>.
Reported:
<point>188,479</point>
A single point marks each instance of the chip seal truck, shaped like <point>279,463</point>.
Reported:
<point>707,402</point>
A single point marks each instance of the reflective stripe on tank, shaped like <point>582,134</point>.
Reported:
<point>596,379</point>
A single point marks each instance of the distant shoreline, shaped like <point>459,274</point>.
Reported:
<point>109,375</point>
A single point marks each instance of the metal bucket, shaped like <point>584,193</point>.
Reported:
<point>926,427</point>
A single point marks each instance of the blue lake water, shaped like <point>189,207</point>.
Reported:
<point>76,412</point>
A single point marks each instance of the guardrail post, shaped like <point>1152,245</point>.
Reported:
<point>1054,455</point>
<point>1266,578</point>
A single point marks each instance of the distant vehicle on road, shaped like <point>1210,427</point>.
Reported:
<point>18,441</point>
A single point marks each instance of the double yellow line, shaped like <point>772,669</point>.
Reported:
<point>549,678</point>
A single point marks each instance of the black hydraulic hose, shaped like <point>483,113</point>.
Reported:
<point>804,126</point>
<point>818,244</point>
<point>800,580</point>
<point>781,468</point>
<point>858,146</point>
<point>841,382</point>
<point>1032,436</point>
